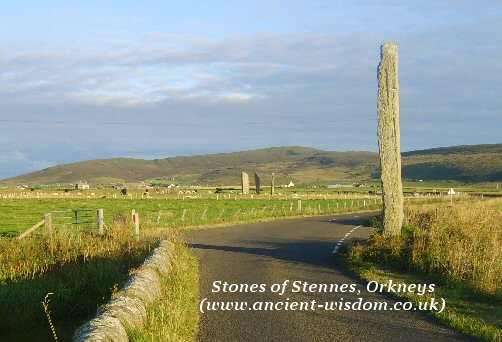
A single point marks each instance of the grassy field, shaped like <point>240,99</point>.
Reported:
<point>19,214</point>
<point>83,269</point>
<point>458,248</point>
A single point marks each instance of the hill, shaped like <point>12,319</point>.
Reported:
<point>473,163</point>
<point>466,163</point>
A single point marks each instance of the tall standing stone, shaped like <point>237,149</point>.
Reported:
<point>245,183</point>
<point>272,184</point>
<point>389,140</point>
<point>257,183</point>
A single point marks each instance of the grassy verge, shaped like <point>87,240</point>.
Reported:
<point>80,269</point>
<point>455,247</point>
<point>174,317</point>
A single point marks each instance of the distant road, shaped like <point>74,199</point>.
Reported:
<point>296,250</point>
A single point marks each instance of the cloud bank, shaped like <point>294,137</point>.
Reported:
<point>311,83</point>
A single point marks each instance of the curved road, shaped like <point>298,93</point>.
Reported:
<point>295,250</point>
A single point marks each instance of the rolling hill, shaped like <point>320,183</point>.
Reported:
<point>470,163</point>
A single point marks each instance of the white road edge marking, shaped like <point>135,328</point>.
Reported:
<point>341,241</point>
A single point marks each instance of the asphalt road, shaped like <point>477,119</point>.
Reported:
<point>295,250</point>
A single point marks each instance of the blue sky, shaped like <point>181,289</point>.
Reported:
<point>97,79</point>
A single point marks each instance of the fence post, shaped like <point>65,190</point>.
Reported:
<point>136,222</point>
<point>204,214</point>
<point>159,215</point>
<point>48,225</point>
<point>183,215</point>
<point>101,222</point>
<point>299,205</point>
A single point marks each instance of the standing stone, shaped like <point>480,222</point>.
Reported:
<point>272,184</point>
<point>389,140</point>
<point>257,183</point>
<point>245,183</point>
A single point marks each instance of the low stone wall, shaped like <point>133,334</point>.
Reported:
<point>128,307</point>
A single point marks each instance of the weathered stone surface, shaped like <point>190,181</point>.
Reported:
<point>104,328</point>
<point>144,285</point>
<point>245,183</point>
<point>257,183</point>
<point>389,139</point>
<point>161,260</point>
<point>131,312</point>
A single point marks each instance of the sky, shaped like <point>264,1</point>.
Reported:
<point>98,79</point>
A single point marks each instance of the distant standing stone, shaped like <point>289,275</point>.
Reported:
<point>257,183</point>
<point>245,183</point>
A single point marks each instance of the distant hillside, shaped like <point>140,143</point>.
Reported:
<point>467,163</point>
<point>303,165</point>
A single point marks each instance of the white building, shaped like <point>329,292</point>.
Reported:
<point>81,186</point>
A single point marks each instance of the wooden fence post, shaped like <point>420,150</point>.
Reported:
<point>299,205</point>
<point>101,222</point>
<point>136,222</point>
<point>48,224</point>
<point>159,215</point>
<point>183,215</point>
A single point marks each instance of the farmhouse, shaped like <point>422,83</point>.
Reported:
<point>81,186</point>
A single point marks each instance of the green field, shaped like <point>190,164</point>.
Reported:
<point>83,269</point>
<point>20,214</point>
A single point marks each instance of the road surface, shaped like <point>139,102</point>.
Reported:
<point>296,250</point>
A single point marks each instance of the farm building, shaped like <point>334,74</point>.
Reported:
<point>81,186</point>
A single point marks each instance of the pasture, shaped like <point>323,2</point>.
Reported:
<point>83,269</point>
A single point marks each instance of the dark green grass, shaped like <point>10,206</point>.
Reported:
<point>79,288</point>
